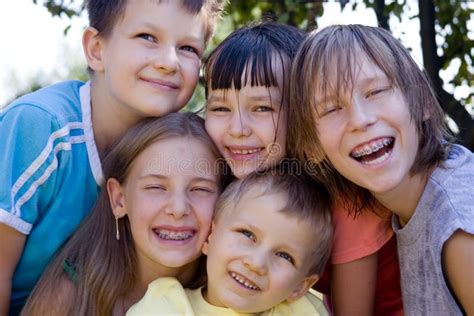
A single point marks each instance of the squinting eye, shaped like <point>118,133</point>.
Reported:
<point>264,108</point>
<point>146,37</point>
<point>190,49</point>
<point>286,256</point>
<point>155,187</point>
<point>218,109</point>
<point>247,234</point>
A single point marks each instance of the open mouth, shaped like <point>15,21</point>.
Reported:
<point>374,152</point>
<point>180,235</point>
<point>244,282</point>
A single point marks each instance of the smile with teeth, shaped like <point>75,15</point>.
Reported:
<point>174,235</point>
<point>374,152</point>
<point>246,283</point>
<point>244,151</point>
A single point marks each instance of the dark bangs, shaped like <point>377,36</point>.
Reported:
<point>250,55</point>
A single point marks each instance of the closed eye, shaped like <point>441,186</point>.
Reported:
<point>155,187</point>
<point>203,189</point>
<point>376,91</point>
<point>285,256</point>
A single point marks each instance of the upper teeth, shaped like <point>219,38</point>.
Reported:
<point>244,282</point>
<point>174,235</point>
<point>244,151</point>
<point>368,149</point>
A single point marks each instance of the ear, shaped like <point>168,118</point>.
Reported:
<point>92,44</point>
<point>116,197</point>
<point>205,246</point>
<point>303,287</point>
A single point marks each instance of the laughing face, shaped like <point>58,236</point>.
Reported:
<point>258,256</point>
<point>367,132</point>
<point>169,198</point>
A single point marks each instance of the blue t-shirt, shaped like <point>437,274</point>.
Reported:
<point>50,174</point>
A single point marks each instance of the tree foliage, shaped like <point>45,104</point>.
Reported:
<point>443,31</point>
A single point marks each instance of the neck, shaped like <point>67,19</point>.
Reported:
<point>150,271</point>
<point>109,119</point>
<point>404,199</point>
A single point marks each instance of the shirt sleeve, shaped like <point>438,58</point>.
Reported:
<point>29,139</point>
<point>358,237</point>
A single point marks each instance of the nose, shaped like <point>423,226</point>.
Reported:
<point>256,261</point>
<point>167,59</point>
<point>361,114</point>
<point>239,125</point>
<point>177,205</point>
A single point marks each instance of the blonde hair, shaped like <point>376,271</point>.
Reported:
<point>307,200</point>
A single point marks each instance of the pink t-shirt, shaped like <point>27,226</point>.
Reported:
<point>355,238</point>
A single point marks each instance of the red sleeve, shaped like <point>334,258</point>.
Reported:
<point>358,237</point>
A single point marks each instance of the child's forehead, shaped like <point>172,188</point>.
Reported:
<point>343,75</point>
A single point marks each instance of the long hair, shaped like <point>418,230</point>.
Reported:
<point>333,50</point>
<point>106,268</point>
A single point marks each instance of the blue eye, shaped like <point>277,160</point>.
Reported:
<point>247,234</point>
<point>190,49</point>
<point>286,256</point>
<point>147,37</point>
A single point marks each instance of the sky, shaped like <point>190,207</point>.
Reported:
<point>35,47</point>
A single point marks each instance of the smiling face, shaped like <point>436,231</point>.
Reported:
<point>367,132</point>
<point>258,256</point>
<point>248,126</point>
<point>169,198</point>
<point>150,61</point>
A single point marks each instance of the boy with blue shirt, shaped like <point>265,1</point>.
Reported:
<point>144,58</point>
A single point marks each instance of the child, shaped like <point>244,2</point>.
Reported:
<point>144,58</point>
<point>270,240</point>
<point>247,77</point>
<point>150,221</point>
<point>368,111</point>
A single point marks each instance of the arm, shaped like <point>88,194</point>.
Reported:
<point>353,286</point>
<point>12,243</point>
<point>458,263</point>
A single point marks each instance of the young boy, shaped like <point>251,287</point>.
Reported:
<point>144,59</point>
<point>270,240</point>
<point>369,112</point>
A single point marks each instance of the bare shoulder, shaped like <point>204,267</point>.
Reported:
<point>458,258</point>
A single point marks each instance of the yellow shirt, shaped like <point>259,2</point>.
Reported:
<point>166,296</point>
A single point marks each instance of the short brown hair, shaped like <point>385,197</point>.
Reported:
<point>333,50</point>
<point>307,200</point>
<point>103,14</point>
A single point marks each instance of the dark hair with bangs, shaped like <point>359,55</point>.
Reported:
<point>248,55</point>
<point>307,200</point>
<point>104,14</point>
<point>336,50</point>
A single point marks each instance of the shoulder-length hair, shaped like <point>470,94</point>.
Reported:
<point>333,51</point>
